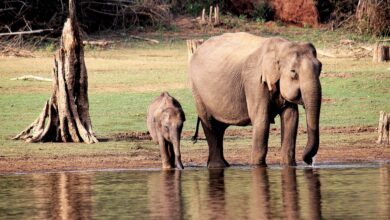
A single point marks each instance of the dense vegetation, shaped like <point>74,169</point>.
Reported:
<point>98,15</point>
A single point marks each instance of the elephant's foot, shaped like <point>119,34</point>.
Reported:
<point>258,160</point>
<point>288,162</point>
<point>217,164</point>
<point>167,166</point>
<point>179,164</point>
<point>259,163</point>
<point>308,159</point>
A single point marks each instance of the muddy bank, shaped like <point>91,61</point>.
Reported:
<point>326,155</point>
<point>363,151</point>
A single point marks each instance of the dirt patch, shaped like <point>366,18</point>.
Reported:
<point>363,151</point>
<point>328,101</point>
<point>131,136</point>
<point>242,132</point>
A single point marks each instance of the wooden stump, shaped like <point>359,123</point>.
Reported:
<point>203,17</point>
<point>383,128</point>
<point>381,53</point>
<point>210,14</point>
<point>192,45</point>
<point>213,10</point>
<point>216,16</point>
<point>65,116</point>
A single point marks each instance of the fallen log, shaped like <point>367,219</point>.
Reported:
<point>145,39</point>
<point>27,77</point>
<point>25,32</point>
<point>99,43</point>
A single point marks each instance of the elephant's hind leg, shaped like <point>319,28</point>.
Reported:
<point>214,132</point>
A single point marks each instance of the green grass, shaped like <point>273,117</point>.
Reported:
<point>124,80</point>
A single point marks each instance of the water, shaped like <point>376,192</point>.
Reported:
<point>325,192</point>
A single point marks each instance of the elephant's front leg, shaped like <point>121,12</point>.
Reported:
<point>164,152</point>
<point>260,136</point>
<point>289,127</point>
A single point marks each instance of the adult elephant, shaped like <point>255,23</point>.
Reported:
<point>242,79</point>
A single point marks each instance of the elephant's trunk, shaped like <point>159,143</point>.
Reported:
<point>312,96</point>
<point>176,149</point>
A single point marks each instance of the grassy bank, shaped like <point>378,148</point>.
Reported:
<point>123,80</point>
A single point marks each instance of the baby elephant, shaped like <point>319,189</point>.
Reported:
<point>165,120</point>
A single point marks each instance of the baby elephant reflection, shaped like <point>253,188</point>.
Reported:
<point>165,120</point>
<point>216,194</point>
<point>165,195</point>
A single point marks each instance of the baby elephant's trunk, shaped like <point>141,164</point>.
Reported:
<point>176,149</point>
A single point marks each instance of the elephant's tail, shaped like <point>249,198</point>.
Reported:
<point>195,137</point>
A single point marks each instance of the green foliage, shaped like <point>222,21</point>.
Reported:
<point>195,7</point>
<point>123,81</point>
<point>263,12</point>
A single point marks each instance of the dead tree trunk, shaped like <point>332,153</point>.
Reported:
<point>216,16</point>
<point>65,116</point>
<point>210,15</point>
<point>192,45</point>
<point>384,128</point>
<point>380,53</point>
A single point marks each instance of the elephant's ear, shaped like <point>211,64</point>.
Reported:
<point>270,70</point>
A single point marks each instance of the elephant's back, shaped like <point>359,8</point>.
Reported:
<point>215,73</point>
<point>233,46</point>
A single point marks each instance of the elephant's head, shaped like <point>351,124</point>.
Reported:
<point>172,121</point>
<point>293,70</point>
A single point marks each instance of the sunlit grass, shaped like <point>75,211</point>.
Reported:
<point>123,80</point>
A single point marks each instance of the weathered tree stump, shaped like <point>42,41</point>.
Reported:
<point>192,45</point>
<point>210,14</point>
<point>381,53</point>
<point>383,128</point>
<point>203,17</point>
<point>65,116</point>
<point>213,10</point>
<point>216,16</point>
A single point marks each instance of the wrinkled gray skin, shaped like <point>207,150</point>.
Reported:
<point>242,79</point>
<point>165,120</point>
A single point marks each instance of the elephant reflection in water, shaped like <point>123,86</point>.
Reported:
<point>216,194</point>
<point>165,195</point>
<point>261,196</point>
<point>384,200</point>
<point>63,196</point>
<point>290,193</point>
<point>291,197</point>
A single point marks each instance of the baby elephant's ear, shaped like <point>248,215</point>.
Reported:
<point>270,70</point>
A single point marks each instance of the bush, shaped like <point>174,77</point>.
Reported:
<point>94,15</point>
<point>195,7</point>
<point>374,17</point>
<point>263,12</point>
